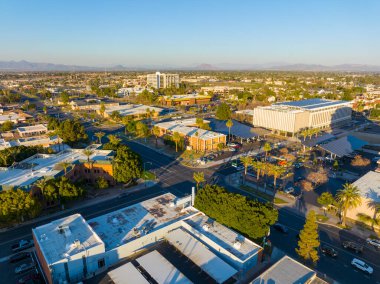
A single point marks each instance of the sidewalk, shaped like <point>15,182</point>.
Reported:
<point>79,204</point>
<point>297,206</point>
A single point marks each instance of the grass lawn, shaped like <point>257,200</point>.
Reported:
<point>322,218</point>
<point>148,175</point>
<point>263,195</point>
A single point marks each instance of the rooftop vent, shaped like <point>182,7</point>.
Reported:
<point>77,243</point>
<point>206,227</point>
<point>237,244</point>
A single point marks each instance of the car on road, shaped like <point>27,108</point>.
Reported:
<point>231,149</point>
<point>281,228</point>
<point>359,264</point>
<point>21,245</point>
<point>374,242</point>
<point>19,256</point>
<point>329,251</point>
<point>24,267</point>
<point>289,190</point>
<point>352,246</point>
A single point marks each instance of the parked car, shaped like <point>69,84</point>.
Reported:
<point>352,246</point>
<point>289,190</point>
<point>21,245</point>
<point>281,228</point>
<point>19,256</point>
<point>231,149</point>
<point>329,251</point>
<point>374,242</point>
<point>359,264</point>
<point>24,267</point>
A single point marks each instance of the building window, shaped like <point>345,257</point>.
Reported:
<point>101,263</point>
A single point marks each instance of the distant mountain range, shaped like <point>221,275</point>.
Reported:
<point>27,66</point>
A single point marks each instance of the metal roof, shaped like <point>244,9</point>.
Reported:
<point>127,274</point>
<point>312,103</point>
<point>369,186</point>
<point>344,145</point>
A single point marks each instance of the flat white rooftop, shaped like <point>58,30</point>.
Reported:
<point>57,239</point>
<point>197,252</point>
<point>286,271</point>
<point>224,237</point>
<point>33,128</point>
<point>130,109</point>
<point>121,226</point>
<point>127,274</point>
<point>161,269</point>
<point>43,165</point>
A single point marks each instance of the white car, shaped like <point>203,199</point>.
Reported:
<point>359,264</point>
<point>374,242</point>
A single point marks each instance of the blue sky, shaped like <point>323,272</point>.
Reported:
<point>190,32</point>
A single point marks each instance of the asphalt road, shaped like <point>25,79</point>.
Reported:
<point>178,180</point>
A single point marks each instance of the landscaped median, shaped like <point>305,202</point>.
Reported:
<point>262,195</point>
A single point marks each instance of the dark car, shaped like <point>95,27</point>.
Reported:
<point>352,246</point>
<point>22,245</point>
<point>281,228</point>
<point>33,277</point>
<point>19,256</point>
<point>329,251</point>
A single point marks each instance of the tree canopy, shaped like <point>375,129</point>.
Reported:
<point>127,165</point>
<point>309,239</point>
<point>250,217</point>
<point>223,112</point>
<point>70,131</point>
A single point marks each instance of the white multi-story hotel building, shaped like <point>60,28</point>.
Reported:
<point>291,117</point>
<point>162,80</point>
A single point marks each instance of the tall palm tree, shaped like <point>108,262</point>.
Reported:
<point>348,198</point>
<point>259,166</point>
<point>276,172</point>
<point>100,136</point>
<point>229,124</point>
<point>41,184</point>
<point>88,153</point>
<point>64,165</point>
<point>199,177</point>
<point>247,161</point>
<point>373,221</point>
<point>156,132</point>
<point>266,149</point>
<point>176,138</point>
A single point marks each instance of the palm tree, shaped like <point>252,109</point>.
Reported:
<point>156,132</point>
<point>373,221</point>
<point>276,171</point>
<point>88,153</point>
<point>64,165</point>
<point>247,161</point>
<point>176,138</point>
<point>113,139</point>
<point>259,166</point>
<point>348,198</point>
<point>266,149</point>
<point>229,124</point>
<point>41,184</point>
<point>199,177</point>
<point>100,136</point>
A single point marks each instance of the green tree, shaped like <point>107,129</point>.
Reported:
<point>156,133</point>
<point>308,243</point>
<point>176,138</point>
<point>250,217</point>
<point>64,165</point>
<point>259,167</point>
<point>267,148</point>
<point>115,115</point>
<point>348,198</point>
<point>199,178</point>
<point>100,135</point>
<point>88,153</point>
<point>229,124</point>
<point>276,172</point>
<point>114,140</point>
<point>7,126</point>
<point>127,165</point>
<point>223,112</point>
<point>101,183</point>
<point>325,199</point>
<point>102,109</point>
<point>142,129</point>
<point>247,161</point>
<point>65,97</point>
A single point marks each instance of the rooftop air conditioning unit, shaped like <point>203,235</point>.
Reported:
<point>237,244</point>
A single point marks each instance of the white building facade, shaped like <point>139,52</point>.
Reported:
<point>162,80</point>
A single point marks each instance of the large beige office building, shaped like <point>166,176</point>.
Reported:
<point>292,117</point>
<point>162,80</point>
